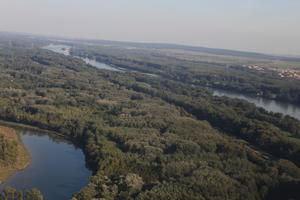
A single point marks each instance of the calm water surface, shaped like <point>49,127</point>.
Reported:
<point>57,168</point>
<point>100,65</point>
<point>269,105</point>
<point>62,49</point>
<point>65,49</point>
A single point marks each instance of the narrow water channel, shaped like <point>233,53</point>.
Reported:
<point>65,50</point>
<point>269,105</point>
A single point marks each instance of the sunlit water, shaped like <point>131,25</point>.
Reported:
<point>65,50</point>
<point>100,65</point>
<point>57,168</point>
<point>62,49</point>
<point>269,105</point>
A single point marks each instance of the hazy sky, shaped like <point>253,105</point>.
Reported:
<point>271,26</point>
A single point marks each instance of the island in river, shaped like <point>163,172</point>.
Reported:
<point>13,155</point>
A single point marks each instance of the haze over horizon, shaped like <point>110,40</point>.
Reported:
<point>270,26</point>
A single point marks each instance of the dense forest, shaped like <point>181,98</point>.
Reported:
<point>13,157</point>
<point>156,137</point>
<point>9,193</point>
<point>226,75</point>
<point>8,151</point>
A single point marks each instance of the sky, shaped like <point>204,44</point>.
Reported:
<point>267,26</point>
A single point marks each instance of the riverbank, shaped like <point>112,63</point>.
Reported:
<point>23,156</point>
<point>53,159</point>
<point>270,105</point>
<point>53,134</point>
<point>19,126</point>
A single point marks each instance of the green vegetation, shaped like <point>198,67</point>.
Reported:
<point>9,193</point>
<point>154,137</point>
<point>13,155</point>
<point>231,76</point>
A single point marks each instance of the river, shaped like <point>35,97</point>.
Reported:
<point>100,65</point>
<point>65,50</point>
<point>57,168</point>
<point>269,105</point>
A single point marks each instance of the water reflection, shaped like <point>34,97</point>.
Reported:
<point>100,65</point>
<point>65,49</point>
<point>269,105</point>
<point>57,167</point>
<point>62,49</point>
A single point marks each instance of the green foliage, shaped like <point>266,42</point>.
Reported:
<point>34,194</point>
<point>8,151</point>
<point>150,137</point>
<point>9,193</point>
<point>178,66</point>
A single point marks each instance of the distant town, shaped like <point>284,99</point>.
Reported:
<point>283,73</point>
